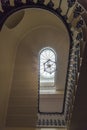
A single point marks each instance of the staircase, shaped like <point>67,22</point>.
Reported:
<point>51,121</point>
<point>70,12</point>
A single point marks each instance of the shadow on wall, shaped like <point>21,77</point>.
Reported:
<point>14,19</point>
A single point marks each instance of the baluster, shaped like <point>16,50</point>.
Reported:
<point>41,2</point>
<point>70,4</point>
<point>63,122</point>
<point>1,10</point>
<point>50,4</point>
<point>67,12</point>
<point>51,122</point>
<point>47,122</point>
<point>77,12</point>
<point>60,4</point>
<point>71,88</point>
<point>59,7</point>
<point>79,36</point>
<point>59,122</point>
<point>5,5</point>
<point>79,24</point>
<point>39,122</point>
<point>18,2</point>
<point>29,2</point>
<point>55,122</point>
<point>43,122</point>
<point>1,15</point>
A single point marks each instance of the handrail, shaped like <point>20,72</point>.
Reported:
<point>76,35</point>
<point>18,4</point>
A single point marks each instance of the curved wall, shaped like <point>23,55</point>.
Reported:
<point>29,36</point>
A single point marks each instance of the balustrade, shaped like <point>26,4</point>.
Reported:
<point>76,35</point>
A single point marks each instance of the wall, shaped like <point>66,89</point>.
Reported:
<point>51,102</point>
<point>35,32</point>
<point>22,107</point>
<point>8,46</point>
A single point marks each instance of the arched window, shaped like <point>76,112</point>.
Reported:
<point>47,63</point>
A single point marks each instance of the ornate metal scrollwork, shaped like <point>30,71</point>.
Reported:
<point>78,10</point>
<point>77,45</point>
<point>79,24</point>
<point>79,36</point>
<point>71,2</point>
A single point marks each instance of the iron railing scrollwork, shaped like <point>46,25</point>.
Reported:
<point>75,33</point>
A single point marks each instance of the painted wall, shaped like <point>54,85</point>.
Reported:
<point>16,44</point>
<point>8,46</point>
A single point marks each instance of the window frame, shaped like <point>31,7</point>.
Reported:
<point>54,77</point>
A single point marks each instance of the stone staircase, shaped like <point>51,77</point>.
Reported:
<point>70,12</point>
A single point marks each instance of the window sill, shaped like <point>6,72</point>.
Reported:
<point>53,92</point>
